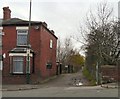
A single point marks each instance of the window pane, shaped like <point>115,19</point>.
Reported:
<point>22,37</point>
<point>18,64</point>
<point>51,43</point>
<point>22,40</point>
<point>18,58</point>
<point>1,65</point>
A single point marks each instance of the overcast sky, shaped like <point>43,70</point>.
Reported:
<point>62,16</point>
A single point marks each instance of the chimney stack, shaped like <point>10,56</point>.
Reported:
<point>6,13</point>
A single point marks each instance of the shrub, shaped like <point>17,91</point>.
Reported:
<point>88,75</point>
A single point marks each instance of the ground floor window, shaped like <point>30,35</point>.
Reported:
<point>18,63</point>
<point>49,65</point>
<point>1,65</point>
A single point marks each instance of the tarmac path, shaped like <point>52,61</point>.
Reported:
<point>71,79</point>
<point>63,80</point>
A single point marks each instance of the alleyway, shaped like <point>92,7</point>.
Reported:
<point>64,80</point>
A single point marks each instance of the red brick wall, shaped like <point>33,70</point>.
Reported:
<point>47,54</point>
<point>9,42</point>
<point>110,71</point>
<point>39,40</point>
<point>35,45</point>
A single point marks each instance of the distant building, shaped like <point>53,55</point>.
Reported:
<point>14,48</point>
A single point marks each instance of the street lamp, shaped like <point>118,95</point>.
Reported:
<point>28,49</point>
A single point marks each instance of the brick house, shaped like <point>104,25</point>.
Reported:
<point>43,44</point>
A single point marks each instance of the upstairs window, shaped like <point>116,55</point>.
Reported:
<point>22,37</point>
<point>51,43</point>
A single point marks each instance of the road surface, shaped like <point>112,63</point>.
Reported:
<point>64,92</point>
<point>63,86</point>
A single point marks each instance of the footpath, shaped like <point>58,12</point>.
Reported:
<point>18,87</point>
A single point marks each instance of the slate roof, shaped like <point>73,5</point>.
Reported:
<point>20,22</point>
<point>17,22</point>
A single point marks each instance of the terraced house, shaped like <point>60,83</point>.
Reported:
<point>14,50</point>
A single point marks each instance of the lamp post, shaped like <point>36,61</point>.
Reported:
<point>28,49</point>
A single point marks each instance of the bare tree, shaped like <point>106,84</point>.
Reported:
<point>102,38</point>
<point>102,35</point>
<point>64,50</point>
